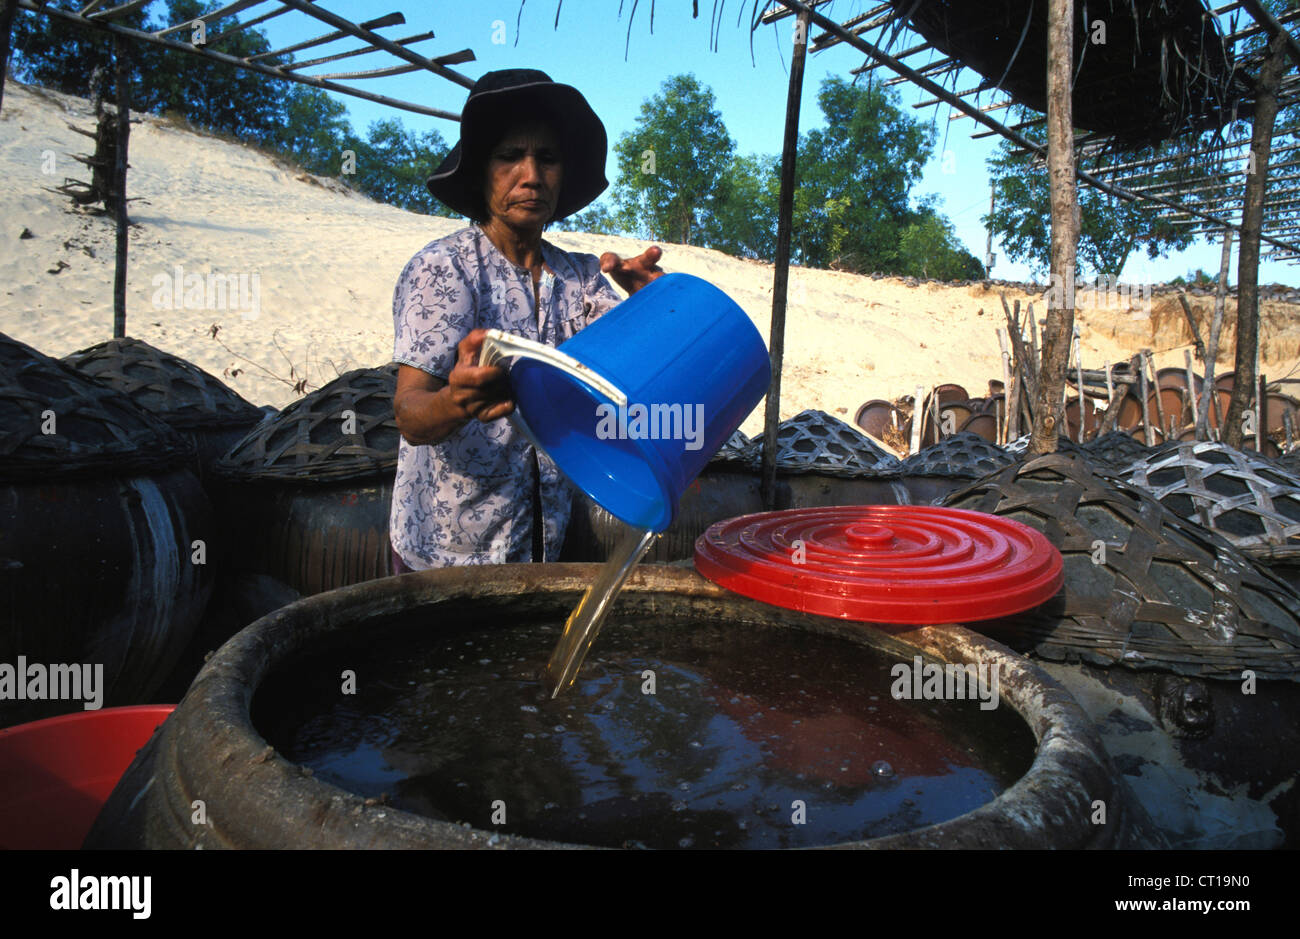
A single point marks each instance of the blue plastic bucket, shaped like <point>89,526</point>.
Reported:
<point>692,366</point>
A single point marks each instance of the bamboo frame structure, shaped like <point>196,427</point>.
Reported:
<point>964,102</point>
<point>1220,82</point>
<point>94,19</point>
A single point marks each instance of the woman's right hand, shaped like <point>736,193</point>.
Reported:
<point>429,410</point>
<point>480,391</point>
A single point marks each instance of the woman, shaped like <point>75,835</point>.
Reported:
<point>469,488</point>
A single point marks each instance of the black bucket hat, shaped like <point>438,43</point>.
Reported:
<point>510,94</point>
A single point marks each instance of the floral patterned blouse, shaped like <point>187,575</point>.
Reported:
<point>469,499</point>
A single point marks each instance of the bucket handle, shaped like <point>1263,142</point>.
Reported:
<point>499,346</point>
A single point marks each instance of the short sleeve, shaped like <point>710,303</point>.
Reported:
<point>433,310</point>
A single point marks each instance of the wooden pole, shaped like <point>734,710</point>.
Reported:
<point>918,417</point>
<point>1191,321</point>
<point>1191,384</point>
<point>1261,417</point>
<point>1112,410</point>
<point>1065,232</point>
<point>781,280</point>
<point>1252,220</point>
<point>1005,418</point>
<point>1209,398</point>
<point>1033,337</point>
<point>1078,364</point>
<point>1150,366</point>
<point>1146,408</point>
<point>6,28</point>
<point>119,185</point>
<point>1023,357</point>
<point>988,247</point>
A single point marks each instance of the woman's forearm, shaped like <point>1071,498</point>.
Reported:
<point>425,417</point>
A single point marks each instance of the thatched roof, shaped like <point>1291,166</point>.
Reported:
<point>1163,70</point>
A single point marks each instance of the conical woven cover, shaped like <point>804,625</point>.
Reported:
<point>345,430</point>
<point>963,454</point>
<point>1143,588</point>
<point>177,392</point>
<point>735,450</point>
<point>815,442</point>
<point>1250,500</point>
<point>1117,449</point>
<point>96,431</point>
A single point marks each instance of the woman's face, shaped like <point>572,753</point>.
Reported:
<point>523,176</point>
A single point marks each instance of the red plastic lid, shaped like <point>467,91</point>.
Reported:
<point>907,564</point>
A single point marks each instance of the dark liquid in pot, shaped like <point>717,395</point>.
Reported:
<point>754,737</point>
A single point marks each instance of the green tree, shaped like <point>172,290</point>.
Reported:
<point>670,164</point>
<point>314,131</point>
<point>393,163</point>
<point>743,222</point>
<point>302,123</point>
<point>211,94</point>
<point>594,220</point>
<point>855,177</point>
<point>928,247</point>
<point>56,55</point>
<point>1109,228</point>
<point>47,51</point>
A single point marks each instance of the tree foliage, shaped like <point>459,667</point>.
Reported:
<point>928,247</point>
<point>393,163</point>
<point>743,222</point>
<point>855,177</point>
<point>594,220</point>
<point>56,55</point>
<point>47,51</point>
<point>1110,229</point>
<point>671,164</point>
<point>679,179</point>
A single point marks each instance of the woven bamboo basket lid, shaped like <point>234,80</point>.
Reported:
<point>1143,588</point>
<point>1248,499</point>
<point>815,442</point>
<point>173,390</point>
<point>96,431</point>
<point>735,450</point>
<point>344,430</point>
<point>963,454</point>
<point>1117,449</point>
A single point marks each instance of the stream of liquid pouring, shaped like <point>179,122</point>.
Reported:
<point>589,615</point>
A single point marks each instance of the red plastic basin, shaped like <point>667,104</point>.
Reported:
<point>56,774</point>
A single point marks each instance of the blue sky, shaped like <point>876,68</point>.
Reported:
<point>587,50</point>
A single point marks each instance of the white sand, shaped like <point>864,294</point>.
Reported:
<point>327,261</point>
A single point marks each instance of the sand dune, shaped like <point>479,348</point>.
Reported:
<point>326,260</point>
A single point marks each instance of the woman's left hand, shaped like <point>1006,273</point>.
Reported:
<point>634,273</point>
